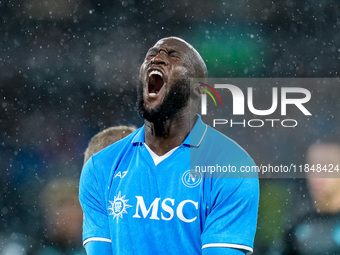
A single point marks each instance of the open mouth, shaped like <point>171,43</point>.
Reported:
<point>155,83</point>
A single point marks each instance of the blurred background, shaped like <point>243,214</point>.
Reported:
<point>69,69</point>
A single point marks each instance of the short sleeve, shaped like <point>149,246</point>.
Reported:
<point>232,219</point>
<point>91,196</point>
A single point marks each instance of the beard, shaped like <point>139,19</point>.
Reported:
<point>174,101</point>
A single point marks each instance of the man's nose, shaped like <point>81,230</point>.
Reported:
<point>159,59</point>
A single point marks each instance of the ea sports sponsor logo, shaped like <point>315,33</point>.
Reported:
<point>191,179</point>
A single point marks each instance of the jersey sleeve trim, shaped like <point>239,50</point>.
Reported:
<point>98,239</point>
<point>228,245</point>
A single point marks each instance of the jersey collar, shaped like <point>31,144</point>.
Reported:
<point>140,136</point>
<point>197,133</point>
<point>194,138</point>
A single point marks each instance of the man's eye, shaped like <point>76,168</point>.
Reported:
<point>173,55</point>
<point>151,55</point>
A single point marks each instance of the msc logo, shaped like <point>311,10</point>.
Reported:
<point>191,180</point>
<point>118,206</point>
<point>167,212</point>
<point>165,209</point>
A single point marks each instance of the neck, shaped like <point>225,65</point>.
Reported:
<point>162,137</point>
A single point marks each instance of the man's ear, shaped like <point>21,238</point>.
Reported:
<point>197,89</point>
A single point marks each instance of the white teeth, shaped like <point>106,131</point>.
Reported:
<point>156,73</point>
<point>152,94</point>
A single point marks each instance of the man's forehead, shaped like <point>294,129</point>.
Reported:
<point>185,49</point>
<point>174,43</point>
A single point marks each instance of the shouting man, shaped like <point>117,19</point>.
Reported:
<point>142,195</point>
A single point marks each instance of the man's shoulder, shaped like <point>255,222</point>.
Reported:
<point>223,143</point>
<point>114,150</point>
<point>103,162</point>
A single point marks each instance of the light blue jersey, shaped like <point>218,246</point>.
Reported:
<point>143,208</point>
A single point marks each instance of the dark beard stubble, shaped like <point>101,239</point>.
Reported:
<point>176,99</point>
